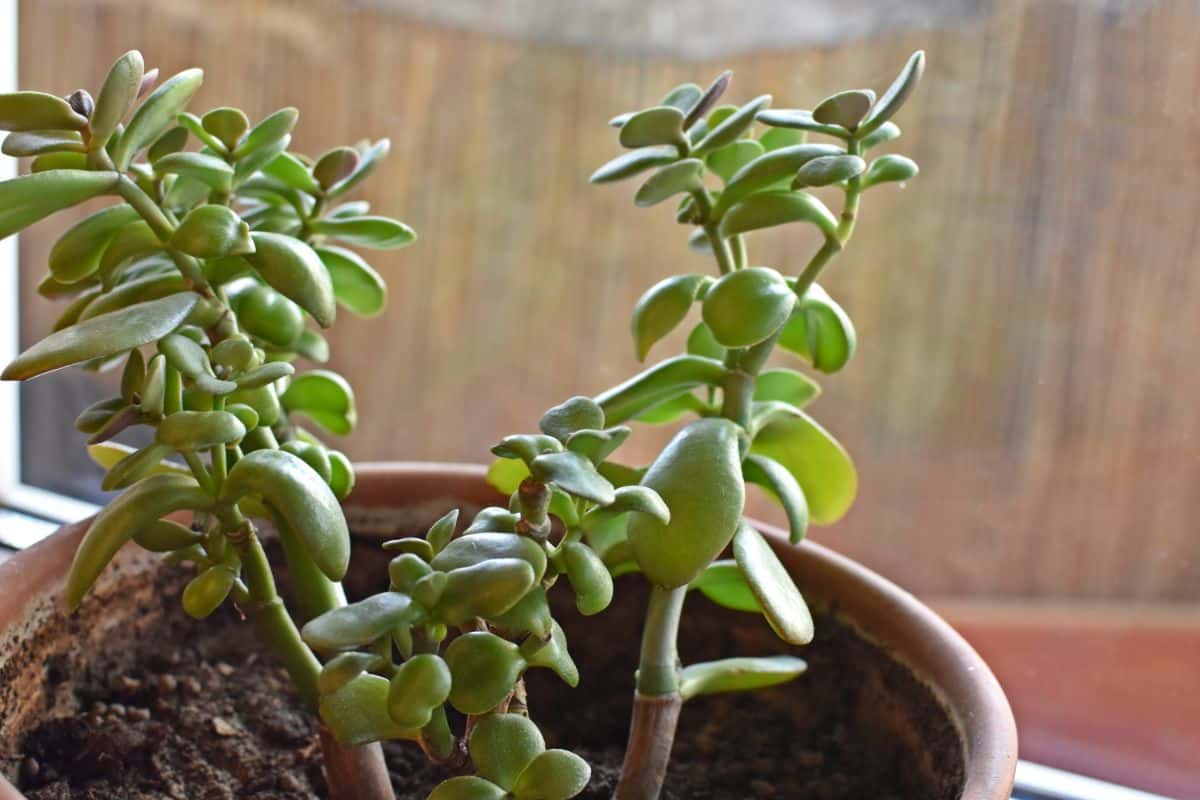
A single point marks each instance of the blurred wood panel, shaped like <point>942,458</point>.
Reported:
<point>1022,406</point>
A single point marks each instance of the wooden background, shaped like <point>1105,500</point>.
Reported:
<point>1023,405</point>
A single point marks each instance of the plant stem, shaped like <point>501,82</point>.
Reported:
<point>656,699</point>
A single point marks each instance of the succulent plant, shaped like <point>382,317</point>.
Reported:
<point>200,278</point>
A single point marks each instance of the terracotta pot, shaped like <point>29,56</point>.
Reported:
<point>31,584</point>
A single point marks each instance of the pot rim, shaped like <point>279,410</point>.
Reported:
<point>911,632</point>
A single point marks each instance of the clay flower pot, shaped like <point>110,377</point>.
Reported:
<point>911,640</point>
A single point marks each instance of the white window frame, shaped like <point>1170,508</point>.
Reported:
<point>14,492</point>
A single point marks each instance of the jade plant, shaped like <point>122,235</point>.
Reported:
<point>199,276</point>
<point>466,615</point>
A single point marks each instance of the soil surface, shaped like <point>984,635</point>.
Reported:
<point>191,711</point>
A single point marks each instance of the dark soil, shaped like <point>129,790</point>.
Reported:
<point>191,712</point>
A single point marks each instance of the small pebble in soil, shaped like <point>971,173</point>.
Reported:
<point>223,728</point>
<point>190,684</point>
<point>117,709</point>
<point>30,769</point>
<point>167,684</point>
<point>138,714</point>
<point>762,788</point>
<point>287,782</point>
<point>225,669</point>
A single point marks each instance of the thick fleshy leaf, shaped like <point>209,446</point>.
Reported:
<point>845,109</point>
<point>467,787</point>
<point>574,414</point>
<point>325,397</point>
<point>597,445</point>
<point>369,157</point>
<point>356,285</point>
<point>787,386</point>
<point>828,170</point>
<point>135,509</point>
<point>776,138</point>
<point>155,115</point>
<point>800,119</point>
<point>590,578</point>
<point>205,592</point>
<point>552,655</point>
<point>76,254</point>
<point>380,233</point>
<point>345,667</point>
<point>746,306</point>
<point>629,164</point>
<point>227,124</point>
<point>884,133</point>
<point>292,171</point>
<point>487,589</point>
<point>662,308</point>
<point>357,713</point>
<point>573,473</point>
<point>682,176</point>
<point>738,675</point>
<point>699,477</point>
<point>199,430</point>
<point>654,126</point>
<point>732,158</point>
<point>554,775</point>
<point>782,486</point>
<point>708,99</point>
<point>212,231</point>
<point>209,170</point>
<point>820,331</point>
<point>767,209</point>
<point>503,745</point>
<point>775,167</point>
<point>292,268</point>
<point>103,336</point>
<point>267,133</point>
<point>663,381</point>
<point>117,96</point>
<point>477,548</point>
<point>896,94</point>
<point>297,493</point>
<point>485,668</point>
<point>36,143</point>
<point>818,462</point>
<point>733,126</point>
<point>723,583</point>
<point>29,198</point>
<point>781,602</point>
<point>359,624</point>
<point>506,474</point>
<point>38,111</point>
<point>420,685</point>
<point>890,169</point>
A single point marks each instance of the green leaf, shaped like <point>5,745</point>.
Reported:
<point>722,582</point>
<point>29,198</point>
<point>117,96</point>
<point>654,126</point>
<point>783,488</point>
<point>212,231</point>
<point>467,787</point>
<point>135,466</point>
<point>738,675</point>
<point>799,119</point>
<point>682,176</point>
<point>768,170</point>
<point>828,170</point>
<point>896,94</point>
<point>356,285</point>
<point>487,589</point>
<point>34,111</point>
<point>76,254</point>
<point>784,608</point>
<point>684,96</point>
<point>731,158</point>
<point>198,430</point>
<point>357,713</point>
<point>441,532</point>
<point>818,462</point>
<point>345,667</point>
<point>746,306</point>
<point>590,579</point>
<point>707,100</point>
<point>292,268</point>
<point>191,360</point>
<point>164,535</point>
<point>325,397</point>
<point>268,315</point>
<point>36,143</point>
<point>359,624</point>
<point>662,308</point>
<point>152,286</point>
<point>267,133</point>
<point>574,414</point>
<point>503,745</point>
<point>554,775</point>
<point>369,157</point>
<point>890,169</point>
<point>787,386</point>
<point>732,127</point>
<point>484,668</point>
<point>287,485</point>
<point>472,549</point>
<point>380,233</point>
<point>699,477</point>
<point>884,133</point>
<point>293,172</point>
<point>574,474</point>
<point>420,685</point>
<point>103,336</point>
<point>193,124</point>
<point>663,381</point>
<point>597,445</point>
<point>205,592</point>
<point>155,115</point>
<point>633,163</point>
<point>767,209</point>
<point>209,170</point>
<point>57,161</point>
<point>820,331</point>
<point>844,109</point>
<point>552,655</point>
<point>227,124</point>
<point>506,474</point>
<point>776,138</point>
<point>135,509</point>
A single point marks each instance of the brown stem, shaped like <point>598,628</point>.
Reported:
<point>651,735</point>
<point>354,771</point>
